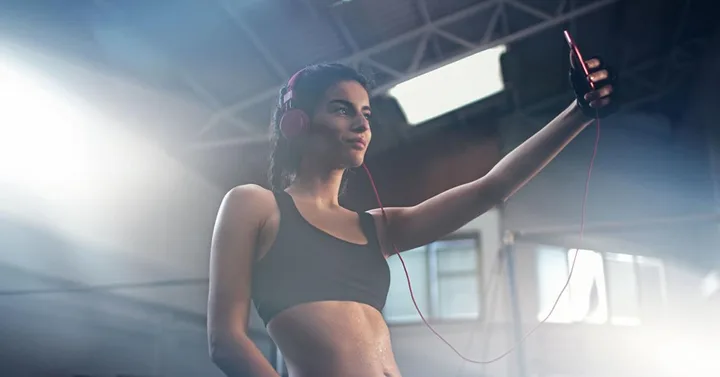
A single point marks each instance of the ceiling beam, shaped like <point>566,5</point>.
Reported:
<point>615,226</point>
<point>561,5</point>
<point>634,74</point>
<point>197,88</point>
<point>419,53</point>
<point>425,14</point>
<point>229,142</point>
<point>345,33</point>
<point>277,68</point>
<point>679,30</point>
<point>362,56</point>
<point>311,8</point>
<point>529,9</point>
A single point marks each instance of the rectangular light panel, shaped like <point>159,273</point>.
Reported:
<point>451,86</point>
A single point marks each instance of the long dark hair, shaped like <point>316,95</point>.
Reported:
<point>309,88</point>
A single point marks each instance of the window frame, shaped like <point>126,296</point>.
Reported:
<point>612,319</point>
<point>434,276</point>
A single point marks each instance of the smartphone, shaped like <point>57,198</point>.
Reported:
<point>574,47</point>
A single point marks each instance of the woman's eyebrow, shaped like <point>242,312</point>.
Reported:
<point>347,103</point>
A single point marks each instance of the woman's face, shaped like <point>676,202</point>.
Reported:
<point>340,128</point>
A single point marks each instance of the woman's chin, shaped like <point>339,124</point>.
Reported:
<point>354,160</point>
<point>357,162</point>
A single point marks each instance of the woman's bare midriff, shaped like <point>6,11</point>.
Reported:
<point>333,338</point>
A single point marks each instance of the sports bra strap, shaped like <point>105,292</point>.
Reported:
<point>367,222</point>
<point>287,207</point>
<point>284,201</point>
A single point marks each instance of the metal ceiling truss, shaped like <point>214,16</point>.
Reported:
<point>422,34</point>
<point>638,77</point>
<point>267,56</point>
<point>187,79</point>
<point>641,76</point>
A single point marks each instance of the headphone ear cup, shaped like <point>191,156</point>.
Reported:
<point>293,123</point>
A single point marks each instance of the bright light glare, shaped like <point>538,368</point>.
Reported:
<point>711,284</point>
<point>450,87</point>
<point>686,357</point>
<point>55,146</point>
<point>574,305</point>
<point>42,148</point>
<point>76,172</point>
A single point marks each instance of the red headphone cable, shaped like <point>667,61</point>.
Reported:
<point>567,283</point>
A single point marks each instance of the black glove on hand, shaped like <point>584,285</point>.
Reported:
<point>593,102</point>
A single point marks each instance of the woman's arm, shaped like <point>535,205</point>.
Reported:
<point>448,211</point>
<point>239,220</point>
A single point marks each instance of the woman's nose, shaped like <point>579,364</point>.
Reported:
<point>361,124</point>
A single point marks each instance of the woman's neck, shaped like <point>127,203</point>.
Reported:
<point>321,187</point>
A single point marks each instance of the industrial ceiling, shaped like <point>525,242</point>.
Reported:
<point>232,56</point>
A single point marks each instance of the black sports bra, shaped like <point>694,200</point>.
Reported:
<point>306,264</point>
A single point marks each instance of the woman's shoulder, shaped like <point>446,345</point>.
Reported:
<point>249,190</point>
<point>249,199</point>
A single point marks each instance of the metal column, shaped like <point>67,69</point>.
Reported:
<point>509,251</point>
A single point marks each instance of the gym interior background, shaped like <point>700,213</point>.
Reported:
<point>125,122</point>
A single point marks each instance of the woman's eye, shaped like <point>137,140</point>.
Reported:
<point>368,116</point>
<point>342,111</point>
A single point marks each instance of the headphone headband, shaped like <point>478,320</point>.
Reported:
<point>294,121</point>
<point>290,86</point>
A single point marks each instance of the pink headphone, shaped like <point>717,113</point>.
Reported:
<point>294,121</point>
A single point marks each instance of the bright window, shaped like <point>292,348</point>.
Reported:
<point>450,87</point>
<point>445,280</point>
<point>604,287</point>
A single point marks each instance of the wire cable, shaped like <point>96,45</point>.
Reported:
<point>567,282</point>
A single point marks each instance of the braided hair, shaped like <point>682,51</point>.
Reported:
<point>309,88</point>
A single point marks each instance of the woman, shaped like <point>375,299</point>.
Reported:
<point>316,271</point>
